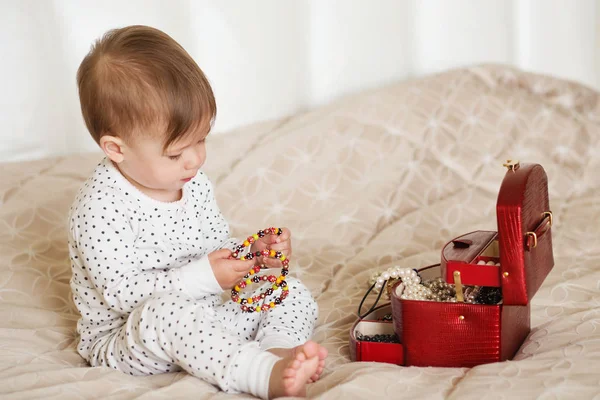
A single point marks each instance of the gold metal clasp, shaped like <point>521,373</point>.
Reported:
<point>512,165</point>
<point>458,285</point>
<point>549,215</point>
<point>534,236</point>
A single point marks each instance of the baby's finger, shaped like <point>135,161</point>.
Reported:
<point>285,235</point>
<point>222,253</point>
<point>243,265</point>
<point>282,247</point>
<point>272,239</point>
<point>272,263</point>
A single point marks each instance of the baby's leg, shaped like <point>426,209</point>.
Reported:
<point>288,326</point>
<point>172,331</point>
<point>290,323</point>
<point>282,330</point>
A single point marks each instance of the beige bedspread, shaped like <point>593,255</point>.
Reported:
<point>374,180</point>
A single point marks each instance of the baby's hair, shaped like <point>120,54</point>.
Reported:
<point>137,79</point>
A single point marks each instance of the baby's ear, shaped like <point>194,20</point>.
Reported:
<point>112,146</point>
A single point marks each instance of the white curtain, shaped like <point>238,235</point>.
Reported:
<point>270,58</point>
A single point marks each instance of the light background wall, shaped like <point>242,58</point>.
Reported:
<point>270,58</point>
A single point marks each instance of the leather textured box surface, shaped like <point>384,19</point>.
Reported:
<point>522,202</point>
<point>441,334</point>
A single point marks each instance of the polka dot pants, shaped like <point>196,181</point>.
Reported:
<point>204,337</point>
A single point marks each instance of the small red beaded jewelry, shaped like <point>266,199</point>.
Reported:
<point>250,304</point>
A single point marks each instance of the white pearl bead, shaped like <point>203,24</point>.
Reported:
<point>394,274</point>
<point>386,275</point>
<point>378,286</point>
<point>380,280</point>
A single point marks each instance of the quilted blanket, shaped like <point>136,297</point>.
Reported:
<point>373,180</point>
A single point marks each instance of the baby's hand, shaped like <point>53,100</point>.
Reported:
<point>282,243</point>
<point>228,272</point>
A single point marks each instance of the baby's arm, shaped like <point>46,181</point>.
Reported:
<point>103,252</point>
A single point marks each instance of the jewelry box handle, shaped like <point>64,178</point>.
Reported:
<point>531,238</point>
<point>361,316</point>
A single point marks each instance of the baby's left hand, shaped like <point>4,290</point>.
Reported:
<point>282,243</point>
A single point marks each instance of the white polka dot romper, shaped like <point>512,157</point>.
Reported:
<point>148,299</point>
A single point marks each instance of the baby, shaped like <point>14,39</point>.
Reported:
<point>149,246</point>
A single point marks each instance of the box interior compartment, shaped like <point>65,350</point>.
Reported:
<point>489,256</point>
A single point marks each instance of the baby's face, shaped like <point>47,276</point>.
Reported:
<point>161,174</point>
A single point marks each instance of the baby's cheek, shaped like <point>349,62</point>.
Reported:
<point>161,173</point>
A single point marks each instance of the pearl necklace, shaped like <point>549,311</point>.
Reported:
<point>411,286</point>
<point>432,290</point>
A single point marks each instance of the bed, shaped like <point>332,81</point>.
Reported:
<point>373,180</point>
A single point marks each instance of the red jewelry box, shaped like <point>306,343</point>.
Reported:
<point>371,324</point>
<point>446,334</point>
<point>464,335</point>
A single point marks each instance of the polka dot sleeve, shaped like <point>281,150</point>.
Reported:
<point>102,242</point>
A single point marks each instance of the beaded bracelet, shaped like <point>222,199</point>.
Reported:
<point>250,304</point>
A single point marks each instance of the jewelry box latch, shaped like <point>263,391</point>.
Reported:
<point>458,286</point>
<point>512,165</point>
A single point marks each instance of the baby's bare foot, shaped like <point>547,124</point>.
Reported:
<point>322,353</point>
<point>290,374</point>
<point>322,356</point>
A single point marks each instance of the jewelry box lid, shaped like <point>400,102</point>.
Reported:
<point>524,231</point>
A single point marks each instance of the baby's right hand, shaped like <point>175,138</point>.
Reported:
<point>228,272</point>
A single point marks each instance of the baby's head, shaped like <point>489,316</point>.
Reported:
<point>148,105</point>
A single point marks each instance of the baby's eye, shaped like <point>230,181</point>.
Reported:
<point>174,158</point>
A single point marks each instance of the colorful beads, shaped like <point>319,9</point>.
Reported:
<point>250,304</point>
